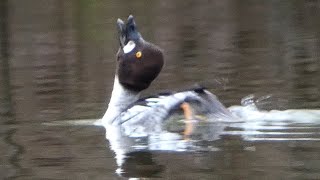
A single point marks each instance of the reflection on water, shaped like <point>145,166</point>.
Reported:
<point>136,156</point>
<point>57,63</point>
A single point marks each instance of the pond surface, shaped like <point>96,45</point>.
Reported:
<point>261,58</point>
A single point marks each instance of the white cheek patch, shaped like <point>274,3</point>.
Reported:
<point>129,47</point>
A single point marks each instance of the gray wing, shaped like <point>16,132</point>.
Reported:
<point>147,116</point>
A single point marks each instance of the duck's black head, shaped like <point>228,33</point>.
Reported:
<point>139,62</point>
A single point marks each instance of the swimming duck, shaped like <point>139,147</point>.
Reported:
<point>139,62</point>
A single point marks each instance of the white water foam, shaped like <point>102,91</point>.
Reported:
<point>275,125</point>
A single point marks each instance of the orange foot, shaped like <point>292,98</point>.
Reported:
<point>187,111</point>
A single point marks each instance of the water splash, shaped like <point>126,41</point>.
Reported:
<point>275,125</point>
<point>76,122</point>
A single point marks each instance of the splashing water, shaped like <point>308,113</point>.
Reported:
<point>275,125</point>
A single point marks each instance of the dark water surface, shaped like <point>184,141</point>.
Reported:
<point>57,63</point>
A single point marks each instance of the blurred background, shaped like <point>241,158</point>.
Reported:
<point>57,62</point>
<point>58,57</point>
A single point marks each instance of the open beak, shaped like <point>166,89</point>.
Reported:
<point>128,31</point>
<point>122,32</point>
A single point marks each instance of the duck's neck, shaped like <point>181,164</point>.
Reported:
<point>120,99</point>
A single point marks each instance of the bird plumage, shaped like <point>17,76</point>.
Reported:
<point>138,64</point>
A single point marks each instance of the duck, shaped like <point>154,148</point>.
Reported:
<point>138,63</point>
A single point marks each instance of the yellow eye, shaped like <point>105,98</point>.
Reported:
<point>139,54</point>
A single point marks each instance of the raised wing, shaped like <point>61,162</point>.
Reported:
<point>148,115</point>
